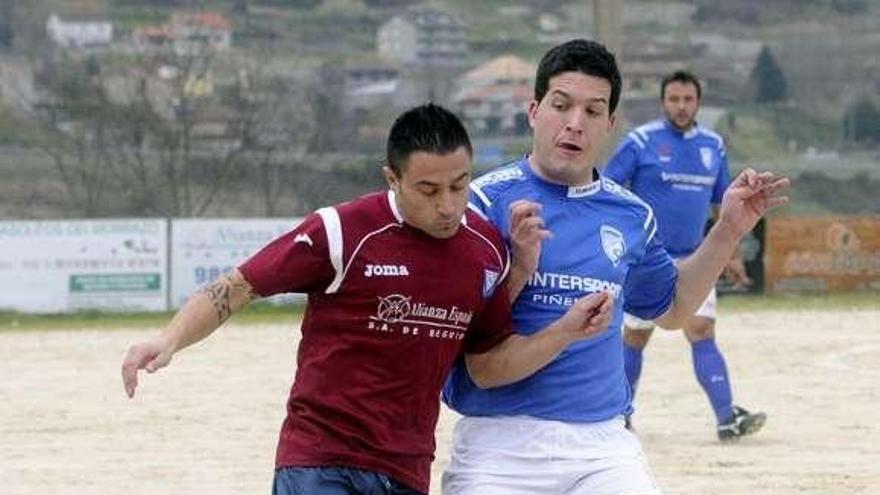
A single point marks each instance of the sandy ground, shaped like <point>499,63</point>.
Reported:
<point>208,424</point>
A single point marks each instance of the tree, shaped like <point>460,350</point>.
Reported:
<point>326,94</point>
<point>768,80</point>
<point>850,7</point>
<point>77,131</point>
<point>170,135</point>
<point>861,122</point>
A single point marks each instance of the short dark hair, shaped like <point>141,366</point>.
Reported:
<point>579,55</point>
<point>681,76</point>
<point>429,128</point>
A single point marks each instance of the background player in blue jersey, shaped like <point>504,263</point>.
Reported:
<point>679,168</point>
<point>562,430</point>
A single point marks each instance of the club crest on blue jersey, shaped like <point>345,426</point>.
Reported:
<point>707,156</point>
<point>489,279</point>
<point>613,244</point>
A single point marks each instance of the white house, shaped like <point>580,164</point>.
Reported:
<point>424,37</point>
<point>78,34</point>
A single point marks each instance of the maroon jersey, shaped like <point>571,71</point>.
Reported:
<point>390,309</point>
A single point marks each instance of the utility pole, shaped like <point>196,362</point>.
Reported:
<point>606,29</point>
<point>606,24</point>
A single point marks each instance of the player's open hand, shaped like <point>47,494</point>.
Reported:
<point>527,232</point>
<point>150,355</point>
<point>749,198</point>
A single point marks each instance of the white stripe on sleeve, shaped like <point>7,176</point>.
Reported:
<point>333,228</point>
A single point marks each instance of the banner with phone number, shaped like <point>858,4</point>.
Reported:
<point>202,249</point>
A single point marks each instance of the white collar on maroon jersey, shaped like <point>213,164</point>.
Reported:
<point>393,204</point>
<point>397,216</point>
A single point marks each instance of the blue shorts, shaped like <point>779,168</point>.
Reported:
<point>336,481</point>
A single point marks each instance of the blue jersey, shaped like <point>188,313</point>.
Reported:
<point>603,240</point>
<point>678,174</point>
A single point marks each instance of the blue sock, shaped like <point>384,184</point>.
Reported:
<point>712,374</point>
<point>632,364</point>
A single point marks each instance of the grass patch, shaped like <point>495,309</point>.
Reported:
<point>282,314</point>
<point>98,320</point>
<point>765,132</point>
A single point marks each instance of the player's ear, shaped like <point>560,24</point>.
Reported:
<point>392,179</point>
<point>533,110</point>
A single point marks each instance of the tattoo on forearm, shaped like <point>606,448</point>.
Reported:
<point>222,291</point>
<point>218,294</point>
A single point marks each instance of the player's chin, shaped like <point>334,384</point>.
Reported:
<point>445,230</point>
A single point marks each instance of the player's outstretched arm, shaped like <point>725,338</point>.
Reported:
<point>747,199</point>
<point>519,356</point>
<point>203,313</point>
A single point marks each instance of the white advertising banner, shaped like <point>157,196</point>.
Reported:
<point>202,249</point>
<point>67,265</point>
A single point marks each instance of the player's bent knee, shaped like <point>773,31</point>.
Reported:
<point>700,329</point>
<point>637,338</point>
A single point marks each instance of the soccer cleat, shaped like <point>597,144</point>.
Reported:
<point>741,424</point>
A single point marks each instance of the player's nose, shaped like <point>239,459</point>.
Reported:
<point>446,204</point>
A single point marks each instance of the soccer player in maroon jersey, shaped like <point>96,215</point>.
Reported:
<point>401,284</point>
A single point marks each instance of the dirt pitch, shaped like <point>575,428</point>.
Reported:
<point>208,424</point>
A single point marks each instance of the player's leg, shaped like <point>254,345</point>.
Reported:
<point>636,335</point>
<point>711,371</point>
<point>530,456</point>
<point>502,456</point>
<point>605,459</point>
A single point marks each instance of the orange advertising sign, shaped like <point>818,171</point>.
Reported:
<point>822,254</point>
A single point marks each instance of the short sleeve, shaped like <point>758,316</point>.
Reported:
<point>621,166</point>
<point>649,287</point>
<point>297,261</point>
<point>491,325</point>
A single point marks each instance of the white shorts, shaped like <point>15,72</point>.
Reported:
<point>527,456</point>
<point>709,310</point>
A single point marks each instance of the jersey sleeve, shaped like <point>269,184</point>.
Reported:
<point>491,325</point>
<point>297,261</point>
<point>621,166</point>
<point>492,208</point>
<point>723,180</point>
<point>479,202</point>
<point>649,287</point>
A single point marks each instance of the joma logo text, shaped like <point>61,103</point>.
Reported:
<point>386,271</point>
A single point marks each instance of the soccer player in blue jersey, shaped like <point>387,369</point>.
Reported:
<point>680,168</point>
<point>573,233</point>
